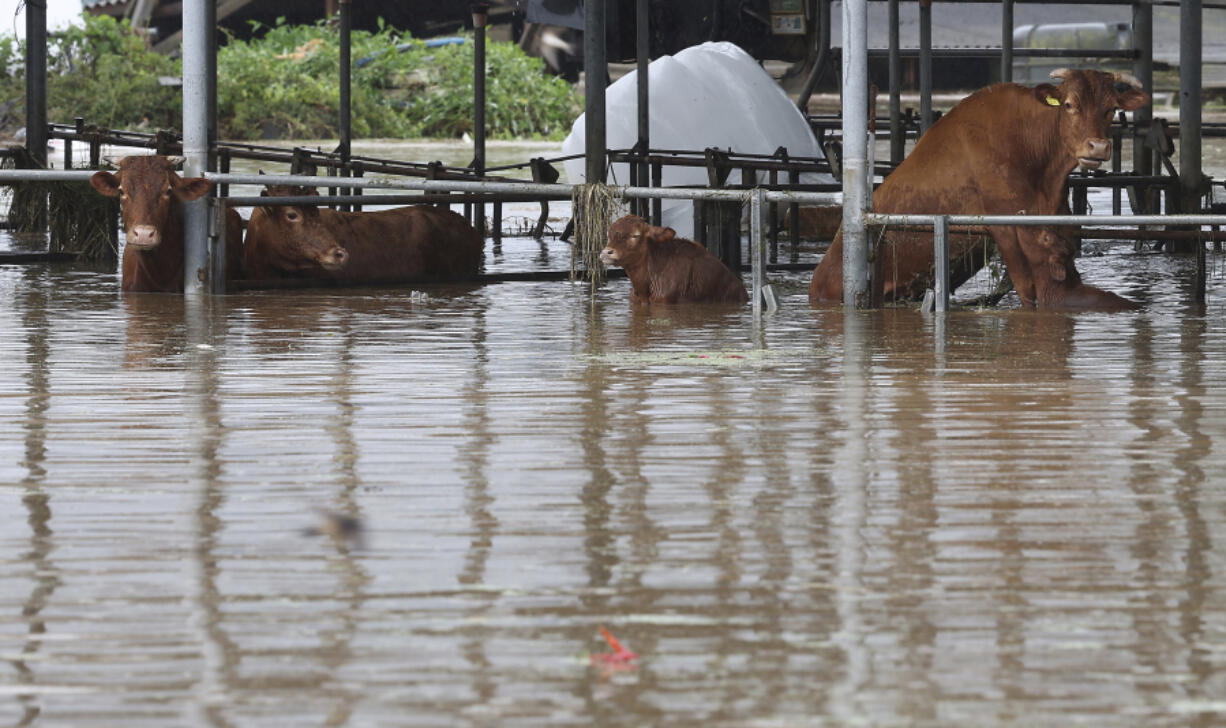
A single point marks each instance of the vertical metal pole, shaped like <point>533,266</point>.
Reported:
<point>210,90</point>
<point>1143,69</point>
<point>479,11</point>
<point>1117,165</point>
<point>898,138</point>
<point>657,205</point>
<point>1190,60</point>
<point>1006,40</point>
<point>855,153</point>
<point>1198,287</point>
<point>344,11</point>
<point>823,54</point>
<point>196,36</point>
<point>940,252</point>
<point>594,71</point>
<point>925,64</point>
<point>757,250</point>
<point>643,58</point>
<point>36,80</point>
<point>217,232</point>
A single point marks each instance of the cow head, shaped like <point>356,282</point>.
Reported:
<point>1050,253</point>
<point>303,240</point>
<point>149,192</point>
<point>628,238</point>
<point>1086,102</point>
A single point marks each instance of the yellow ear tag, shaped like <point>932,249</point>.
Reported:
<point>1053,101</point>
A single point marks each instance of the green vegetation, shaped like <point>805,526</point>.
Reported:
<point>285,84</point>
<point>102,72</point>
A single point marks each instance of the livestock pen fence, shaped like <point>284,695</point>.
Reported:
<point>762,294</point>
<point>757,199</point>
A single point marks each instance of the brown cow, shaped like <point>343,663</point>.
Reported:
<point>151,198</point>
<point>420,242</point>
<point>1006,149</point>
<point>666,269</point>
<point>1049,257</point>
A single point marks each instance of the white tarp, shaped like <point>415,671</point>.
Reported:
<point>709,95</point>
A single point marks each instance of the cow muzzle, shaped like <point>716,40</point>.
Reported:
<point>143,237</point>
<point>334,259</point>
<point>608,256</point>
<point>1093,153</point>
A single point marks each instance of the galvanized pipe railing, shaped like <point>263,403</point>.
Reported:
<point>940,225</point>
<point>755,197</point>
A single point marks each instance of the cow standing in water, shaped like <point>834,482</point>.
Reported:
<point>151,198</point>
<point>420,242</point>
<point>1004,150</point>
<point>663,268</point>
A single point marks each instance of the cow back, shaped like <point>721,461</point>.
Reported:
<point>419,242</point>
<point>682,271</point>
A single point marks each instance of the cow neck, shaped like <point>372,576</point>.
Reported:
<point>1040,151</point>
<point>159,269</point>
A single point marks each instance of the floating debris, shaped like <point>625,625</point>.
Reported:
<point>619,658</point>
<point>337,526</point>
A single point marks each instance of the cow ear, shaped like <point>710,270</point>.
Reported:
<point>192,188</point>
<point>106,183</point>
<point>665,234</point>
<point>1133,99</point>
<point>1047,94</point>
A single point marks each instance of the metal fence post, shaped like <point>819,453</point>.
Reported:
<point>940,252</point>
<point>197,37</point>
<point>217,245</point>
<point>855,153</point>
<point>757,249</point>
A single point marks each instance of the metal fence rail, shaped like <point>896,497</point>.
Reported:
<point>755,198</point>
<point>762,293</point>
<point>941,224</point>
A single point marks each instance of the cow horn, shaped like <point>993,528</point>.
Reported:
<point>1128,78</point>
<point>1062,73</point>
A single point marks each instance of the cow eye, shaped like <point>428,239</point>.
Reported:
<point>292,216</point>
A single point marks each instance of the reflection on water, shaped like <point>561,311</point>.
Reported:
<point>992,518</point>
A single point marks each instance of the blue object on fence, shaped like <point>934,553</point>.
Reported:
<point>401,48</point>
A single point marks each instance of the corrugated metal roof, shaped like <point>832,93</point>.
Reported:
<point>102,3</point>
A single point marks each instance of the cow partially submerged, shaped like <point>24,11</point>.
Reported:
<point>663,268</point>
<point>151,198</point>
<point>1005,150</point>
<point>1049,254</point>
<point>419,242</point>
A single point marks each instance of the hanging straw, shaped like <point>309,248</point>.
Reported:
<point>594,208</point>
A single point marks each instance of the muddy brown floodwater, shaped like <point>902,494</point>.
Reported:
<point>993,518</point>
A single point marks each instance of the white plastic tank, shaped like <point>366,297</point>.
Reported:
<point>709,95</point>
